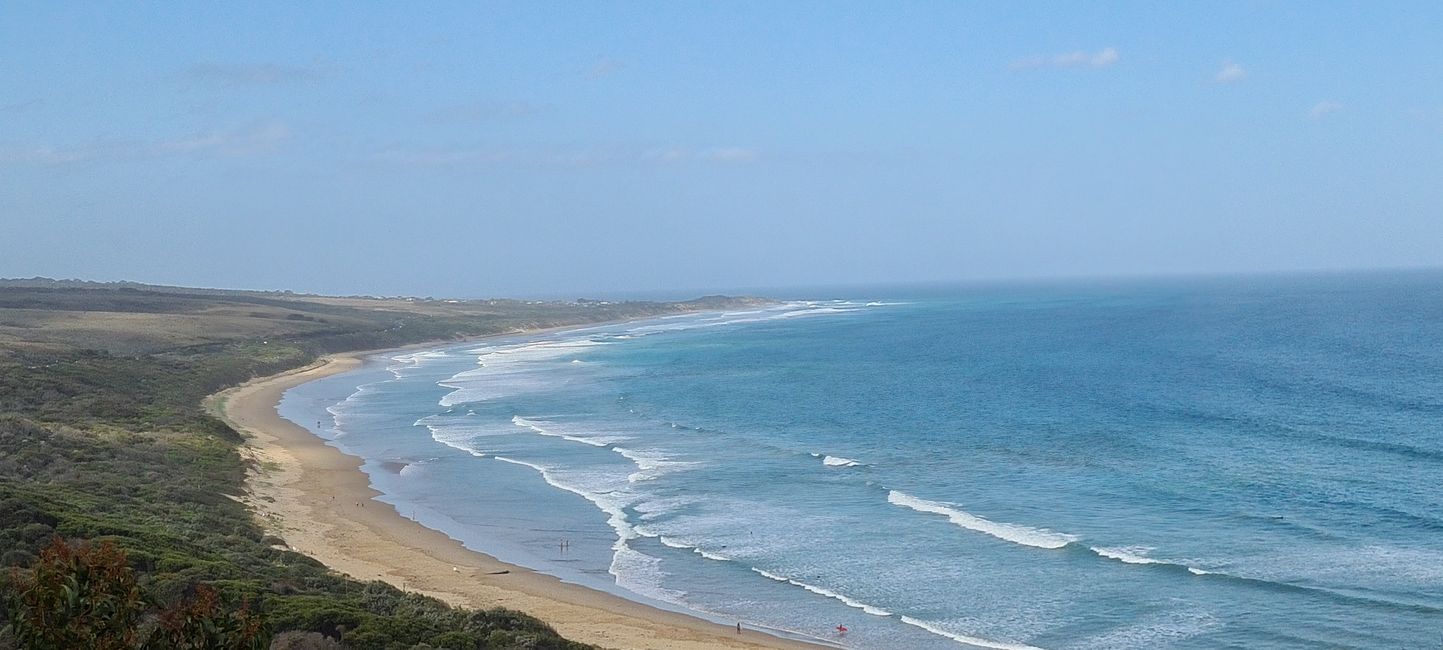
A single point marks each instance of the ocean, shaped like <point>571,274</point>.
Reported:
<point>1244,462</point>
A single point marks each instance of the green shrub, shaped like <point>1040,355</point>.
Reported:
<point>102,437</point>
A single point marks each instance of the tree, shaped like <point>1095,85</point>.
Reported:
<point>86,596</point>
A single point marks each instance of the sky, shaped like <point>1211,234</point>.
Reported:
<point>532,148</point>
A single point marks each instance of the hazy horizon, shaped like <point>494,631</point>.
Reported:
<point>838,290</point>
<point>468,150</point>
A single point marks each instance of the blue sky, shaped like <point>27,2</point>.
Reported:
<point>536,148</point>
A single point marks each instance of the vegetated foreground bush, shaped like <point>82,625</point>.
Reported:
<point>118,522</point>
<point>87,596</point>
<point>149,504</point>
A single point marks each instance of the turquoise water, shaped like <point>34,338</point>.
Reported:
<point>1245,463</point>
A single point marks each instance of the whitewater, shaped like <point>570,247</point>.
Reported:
<point>1183,464</point>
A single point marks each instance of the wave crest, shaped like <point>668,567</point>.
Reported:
<point>870,609</point>
<point>967,640</point>
<point>1038,537</point>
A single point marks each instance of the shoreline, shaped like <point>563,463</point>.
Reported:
<point>306,492</point>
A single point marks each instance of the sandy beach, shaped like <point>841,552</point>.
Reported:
<point>307,493</point>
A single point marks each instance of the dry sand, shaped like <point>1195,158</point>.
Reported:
<point>307,492</point>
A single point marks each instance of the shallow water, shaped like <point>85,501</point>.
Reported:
<point>1249,462</point>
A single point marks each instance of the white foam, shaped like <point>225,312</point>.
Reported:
<point>402,363</point>
<point>816,311</point>
<point>1155,631</point>
<point>548,429</point>
<point>654,507</point>
<point>536,349</point>
<point>611,506</point>
<point>343,412</point>
<point>634,571</point>
<point>353,400</point>
<point>1038,537</point>
<point>1128,554</point>
<point>456,437</point>
<point>850,602</point>
<point>699,321</point>
<point>1138,555</point>
<point>462,432</point>
<point>511,369</point>
<point>666,541</point>
<point>503,369</point>
<point>641,573</point>
<point>415,358</point>
<point>652,464</point>
<point>784,310</point>
<point>968,640</point>
<point>838,461</point>
<point>507,369</point>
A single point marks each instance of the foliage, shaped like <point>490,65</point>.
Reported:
<point>76,597</point>
<point>87,596</point>
<point>102,438</point>
<point>203,623</point>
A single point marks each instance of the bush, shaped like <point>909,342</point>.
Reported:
<point>87,596</point>
<point>304,641</point>
<point>102,437</point>
<point>82,596</point>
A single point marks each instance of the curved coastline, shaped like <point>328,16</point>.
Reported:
<point>306,492</point>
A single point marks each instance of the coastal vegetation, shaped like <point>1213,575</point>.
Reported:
<point>119,520</point>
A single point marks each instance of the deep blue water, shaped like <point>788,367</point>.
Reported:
<point>1242,462</point>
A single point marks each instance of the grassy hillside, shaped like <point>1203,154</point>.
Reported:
<point>102,437</point>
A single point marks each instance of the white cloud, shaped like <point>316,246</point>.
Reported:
<point>255,138</point>
<point>440,157</point>
<point>20,106</point>
<point>484,112</point>
<point>1324,108</point>
<point>1099,59</point>
<point>1229,73</point>
<point>483,156</point>
<point>604,67</point>
<point>712,154</point>
<point>250,140</point>
<point>729,154</point>
<point>249,74</point>
<point>44,155</point>
<point>470,157</point>
<point>1430,116</point>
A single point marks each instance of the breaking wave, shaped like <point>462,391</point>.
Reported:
<point>1038,537</point>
